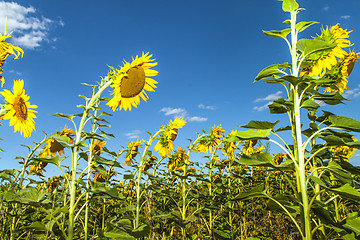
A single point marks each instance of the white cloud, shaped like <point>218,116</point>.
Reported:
<point>352,93</point>
<point>202,106</point>
<point>269,97</point>
<point>133,134</point>
<point>262,108</point>
<point>326,8</point>
<point>346,16</point>
<point>180,112</point>
<point>29,29</point>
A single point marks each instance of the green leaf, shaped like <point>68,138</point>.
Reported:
<point>141,231</point>
<point>39,226</point>
<point>345,123</point>
<point>56,160</point>
<point>30,196</point>
<point>310,46</point>
<point>353,224</point>
<point>102,189</point>
<point>330,98</point>
<point>104,161</point>
<point>63,140</point>
<point>271,71</point>
<point>252,134</point>
<point>343,175</point>
<point>301,26</point>
<point>276,33</point>
<point>257,191</point>
<point>63,116</point>
<point>260,124</point>
<point>289,5</point>
<point>310,104</point>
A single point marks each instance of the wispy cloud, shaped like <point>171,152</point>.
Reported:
<point>180,112</point>
<point>269,97</point>
<point>352,93</point>
<point>346,17</point>
<point>326,8</point>
<point>202,106</point>
<point>29,28</point>
<point>262,108</point>
<point>133,134</point>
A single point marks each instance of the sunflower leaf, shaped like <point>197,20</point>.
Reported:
<point>278,33</point>
<point>271,71</point>
<point>310,104</point>
<point>63,116</point>
<point>260,124</point>
<point>310,46</point>
<point>289,5</point>
<point>252,134</point>
<point>56,160</point>
<point>344,123</point>
<point>301,26</point>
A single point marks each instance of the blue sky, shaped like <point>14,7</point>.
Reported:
<point>208,54</point>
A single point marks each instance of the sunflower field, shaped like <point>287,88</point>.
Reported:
<point>150,190</point>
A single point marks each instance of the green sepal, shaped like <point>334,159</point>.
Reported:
<point>301,26</point>
<point>278,33</point>
<point>289,5</point>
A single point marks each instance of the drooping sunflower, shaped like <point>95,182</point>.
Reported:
<point>7,49</point>
<point>98,146</point>
<point>131,152</point>
<point>177,160</point>
<point>54,147</point>
<point>342,71</point>
<point>38,167</point>
<point>132,81</point>
<point>54,182</point>
<point>165,144</point>
<point>19,110</point>
<point>100,178</point>
<point>208,142</point>
<point>320,63</point>
<point>279,158</point>
<point>229,147</point>
<point>342,152</point>
<point>249,147</point>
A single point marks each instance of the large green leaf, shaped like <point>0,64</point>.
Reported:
<point>102,189</point>
<point>257,191</point>
<point>329,98</point>
<point>271,71</point>
<point>310,104</point>
<point>141,231</point>
<point>344,123</point>
<point>31,196</point>
<point>252,134</point>
<point>101,160</point>
<point>309,46</point>
<point>260,124</point>
<point>301,26</point>
<point>56,160</point>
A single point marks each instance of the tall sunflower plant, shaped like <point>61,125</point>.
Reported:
<point>317,74</point>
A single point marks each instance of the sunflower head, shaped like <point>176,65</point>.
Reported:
<point>131,152</point>
<point>279,158</point>
<point>19,110</point>
<point>165,144</point>
<point>208,142</point>
<point>177,160</point>
<point>98,146</point>
<point>229,147</point>
<point>149,162</point>
<point>249,147</point>
<point>53,147</point>
<point>131,82</point>
<point>340,72</point>
<point>38,167</point>
<point>53,183</point>
<point>342,152</point>
<point>320,62</point>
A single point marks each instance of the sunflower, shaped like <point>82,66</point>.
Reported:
<point>208,142</point>
<point>132,81</point>
<point>53,183</point>
<point>98,146</point>
<point>149,162</point>
<point>7,49</point>
<point>177,160</point>
<point>18,109</point>
<point>341,74</point>
<point>322,62</point>
<point>249,147</point>
<point>165,144</point>
<point>229,147</point>
<point>279,158</point>
<point>131,152</point>
<point>38,167</point>
<point>54,147</point>
<point>100,178</point>
<point>343,152</point>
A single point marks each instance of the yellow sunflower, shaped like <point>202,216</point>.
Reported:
<point>343,152</point>
<point>98,146</point>
<point>279,158</point>
<point>165,144</point>
<point>208,142</point>
<point>131,152</point>
<point>100,178</point>
<point>229,147</point>
<point>342,73</point>
<point>7,49</point>
<point>132,81</point>
<point>324,62</point>
<point>53,183</point>
<point>38,167</point>
<point>177,160</point>
<point>249,147</point>
<point>54,147</point>
<point>18,109</point>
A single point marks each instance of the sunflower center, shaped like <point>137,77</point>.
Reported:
<point>21,109</point>
<point>133,83</point>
